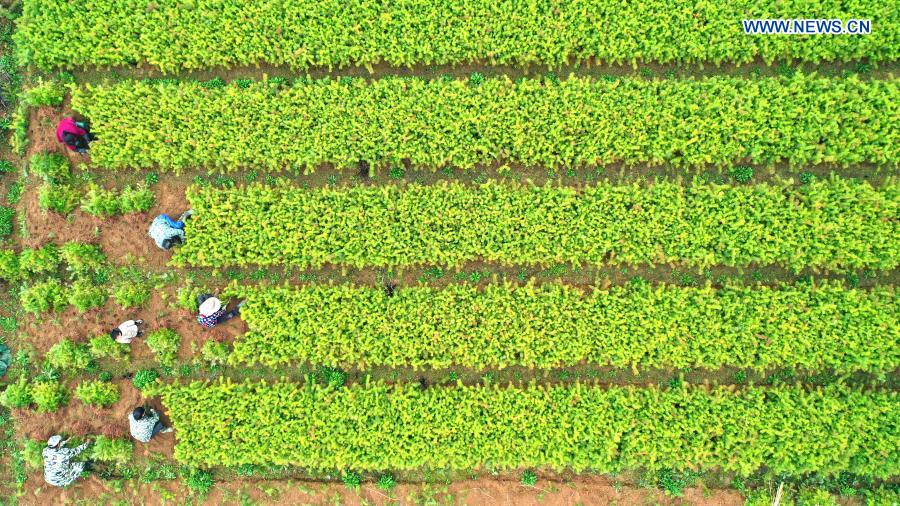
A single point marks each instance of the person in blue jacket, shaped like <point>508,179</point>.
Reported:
<point>168,233</point>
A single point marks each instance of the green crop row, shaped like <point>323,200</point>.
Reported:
<point>375,427</point>
<point>171,34</point>
<point>811,327</point>
<point>578,121</point>
<point>833,224</point>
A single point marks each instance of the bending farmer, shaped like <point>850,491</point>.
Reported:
<point>168,233</point>
<point>59,470</point>
<point>127,331</point>
<point>75,135</point>
<point>144,424</point>
<point>212,313</point>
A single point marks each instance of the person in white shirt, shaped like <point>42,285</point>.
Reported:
<point>127,331</point>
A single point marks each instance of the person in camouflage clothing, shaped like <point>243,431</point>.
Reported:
<point>59,470</point>
<point>144,424</point>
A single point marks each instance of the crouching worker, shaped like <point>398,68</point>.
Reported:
<point>168,233</point>
<point>127,331</point>
<point>75,135</point>
<point>59,469</point>
<point>144,424</point>
<point>212,313</point>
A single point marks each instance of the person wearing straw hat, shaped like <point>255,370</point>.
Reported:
<point>59,470</point>
<point>212,312</point>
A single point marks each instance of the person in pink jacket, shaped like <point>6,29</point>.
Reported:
<point>74,134</point>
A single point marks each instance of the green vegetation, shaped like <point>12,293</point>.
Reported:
<point>17,395</point>
<point>68,356</point>
<point>84,294</point>
<point>432,124</point>
<point>97,393</point>
<point>52,167</point>
<point>212,33</point>
<point>578,427</point>
<point>117,451</point>
<point>554,326</point>
<point>105,346</point>
<point>164,344</point>
<point>834,224</point>
<point>43,297</point>
<point>49,396</point>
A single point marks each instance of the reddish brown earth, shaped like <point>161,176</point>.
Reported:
<point>480,492</point>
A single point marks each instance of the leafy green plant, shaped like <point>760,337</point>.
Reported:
<point>128,294</point>
<point>44,93</point>
<point>159,471</point>
<point>82,258</point>
<point>62,199</point>
<point>136,200</point>
<point>51,167</point>
<point>40,261</point>
<point>351,480</point>
<point>17,395</point>
<point>386,482</point>
<point>164,343</point>
<point>69,356</point>
<point>741,173</point>
<point>104,346</point>
<point>529,478</point>
<point>97,393</point>
<point>674,482</point>
<point>9,266</point>
<point>144,378</point>
<point>199,481</point>
<point>117,451</point>
<point>215,352</point>
<point>14,194</point>
<point>49,396</point>
<point>32,453</point>
<point>43,297</point>
<point>100,202</point>
<point>6,221</point>
<point>6,167</point>
<point>85,295</point>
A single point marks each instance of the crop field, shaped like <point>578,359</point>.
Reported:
<point>514,252</point>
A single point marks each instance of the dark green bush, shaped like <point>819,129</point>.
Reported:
<point>144,378</point>
<point>6,221</point>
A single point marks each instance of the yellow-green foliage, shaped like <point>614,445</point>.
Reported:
<point>326,33</point>
<point>835,224</point>
<point>554,326</point>
<point>579,121</point>
<point>375,427</point>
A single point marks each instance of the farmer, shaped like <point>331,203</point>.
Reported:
<point>75,135</point>
<point>144,424</point>
<point>212,313</point>
<point>59,470</point>
<point>168,233</point>
<point>127,331</point>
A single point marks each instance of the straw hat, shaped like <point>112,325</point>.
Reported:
<point>210,306</point>
<point>54,441</point>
